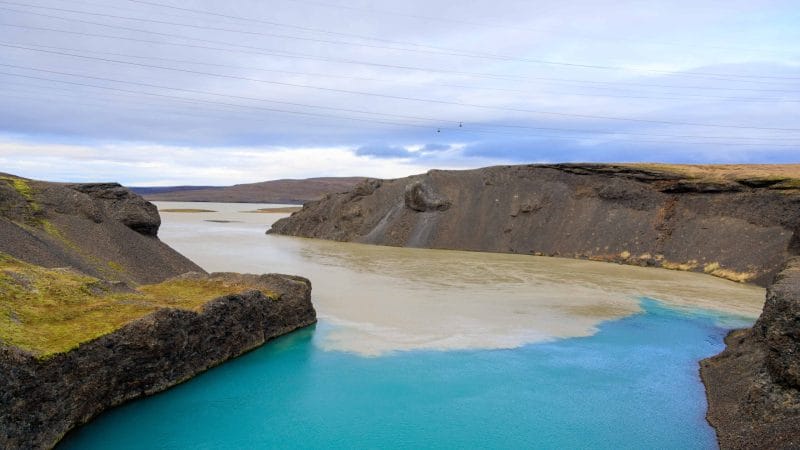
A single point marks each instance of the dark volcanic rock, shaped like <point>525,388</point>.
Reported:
<point>103,230</point>
<point>420,197</point>
<point>123,205</point>
<point>604,212</point>
<point>107,232</point>
<point>40,400</point>
<point>752,387</point>
<point>779,326</point>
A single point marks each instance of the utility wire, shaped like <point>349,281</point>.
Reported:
<point>399,97</point>
<point>511,27</point>
<point>449,52</point>
<point>420,69</point>
<point>434,121</point>
<point>250,19</point>
<point>455,129</point>
<point>215,102</point>
<point>677,97</point>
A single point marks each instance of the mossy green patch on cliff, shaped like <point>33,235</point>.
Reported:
<point>24,189</point>
<point>792,183</point>
<point>49,311</point>
<point>21,186</point>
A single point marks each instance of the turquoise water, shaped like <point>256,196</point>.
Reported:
<point>634,384</point>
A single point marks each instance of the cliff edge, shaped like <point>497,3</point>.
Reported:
<point>753,387</point>
<point>95,310</point>
<point>730,224</point>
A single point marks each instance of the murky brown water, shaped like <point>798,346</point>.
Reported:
<point>386,298</point>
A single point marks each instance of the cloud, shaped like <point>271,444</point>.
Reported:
<point>433,148</point>
<point>164,165</point>
<point>195,98</point>
<point>384,151</point>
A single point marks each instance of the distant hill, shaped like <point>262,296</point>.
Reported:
<point>276,191</point>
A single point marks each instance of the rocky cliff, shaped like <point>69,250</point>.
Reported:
<point>102,230</point>
<point>753,387</point>
<point>740,223</point>
<point>43,398</point>
<point>734,226</point>
<point>95,310</point>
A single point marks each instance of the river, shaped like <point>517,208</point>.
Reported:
<point>442,349</point>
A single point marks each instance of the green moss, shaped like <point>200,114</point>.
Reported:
<point>24,189</point>
<point>50,229</point>
<point>116,266</point>
<point>49,311</point>
<point>792,183</point>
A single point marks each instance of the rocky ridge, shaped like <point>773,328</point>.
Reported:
<point>275,191</point>
<point>738,229</point>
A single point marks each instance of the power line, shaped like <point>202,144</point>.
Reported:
<point>456,129</point>
<point>448,52</point>
<point>430,119</point>
<point>250,19</point>
<point>263,52</point>
<point>238,97</point>
<point>420,69</point>
<point>399,97</point>
<point>230,30</point>
<point>507,27</point>
<point>680,97</point>
<point>215,102</point>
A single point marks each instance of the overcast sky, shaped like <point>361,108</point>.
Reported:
<point>164,92</point>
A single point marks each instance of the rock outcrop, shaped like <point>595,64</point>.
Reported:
<point>124,206</point>
<point>737,228</point>
<point>753,386</point>
<point>42,399</point>
<point>102,230</point>
<point>139,316</point>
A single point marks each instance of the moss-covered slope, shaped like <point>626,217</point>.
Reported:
<point>49,311</point>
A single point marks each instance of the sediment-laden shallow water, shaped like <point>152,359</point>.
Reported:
<point>440,349</point>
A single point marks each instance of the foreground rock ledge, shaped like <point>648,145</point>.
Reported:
<point>753,386</point>
<point>42,399</point>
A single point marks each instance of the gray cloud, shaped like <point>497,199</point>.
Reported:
<point>383,151</point>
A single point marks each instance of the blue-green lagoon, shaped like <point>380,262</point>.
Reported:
<point>426,349</point>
